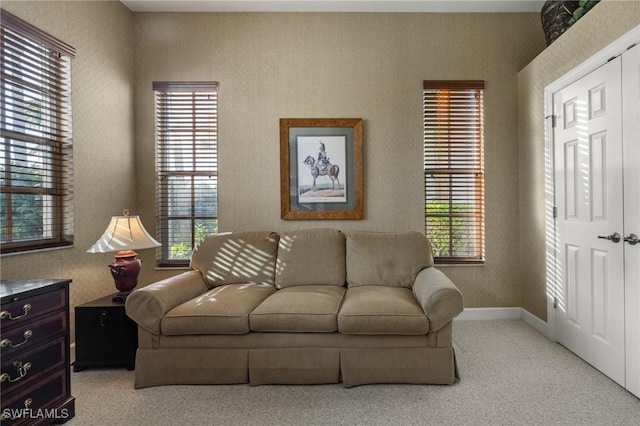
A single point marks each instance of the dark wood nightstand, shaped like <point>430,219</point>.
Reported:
<point>105,335</point>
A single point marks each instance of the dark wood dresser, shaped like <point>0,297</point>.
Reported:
<point>34,352</point>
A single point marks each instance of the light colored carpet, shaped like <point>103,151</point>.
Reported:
<point>510,375</point>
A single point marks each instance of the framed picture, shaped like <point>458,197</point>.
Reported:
<point>321,168</point>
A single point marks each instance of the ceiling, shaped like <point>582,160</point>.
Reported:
<point>434,6</point>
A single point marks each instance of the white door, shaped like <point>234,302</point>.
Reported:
<point>589,197</point>
<point>631,148</point>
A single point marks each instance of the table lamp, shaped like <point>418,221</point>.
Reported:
<point>124,235</point>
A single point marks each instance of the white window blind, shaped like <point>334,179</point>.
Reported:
<point>186,167</point>
<point>36,164</point>
<point>454,170</point>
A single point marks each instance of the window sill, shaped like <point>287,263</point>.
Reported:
<point>39,250</point>
<point>173,268</point>
<point>448,264</point>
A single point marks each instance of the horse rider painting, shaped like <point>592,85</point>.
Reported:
<point>323,160</point>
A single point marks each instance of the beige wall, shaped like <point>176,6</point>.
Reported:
<point>606,22</point>
<point>282,65</point>
<point>102,76</point>
<point>345,65</point>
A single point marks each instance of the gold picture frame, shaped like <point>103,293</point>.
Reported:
<point>321,168</point>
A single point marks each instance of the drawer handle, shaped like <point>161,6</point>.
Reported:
<point>22,371</point>
<point>6,342</point>
<point>5,314</point>
<point>6,413</point>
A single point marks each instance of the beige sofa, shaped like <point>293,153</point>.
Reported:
<point>310,306</point>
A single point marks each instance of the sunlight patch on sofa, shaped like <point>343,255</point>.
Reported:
<point>241,262</point>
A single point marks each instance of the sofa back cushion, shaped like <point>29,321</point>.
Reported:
<point>386,259</point>
<point>311,257</point>
<point>237,258</point>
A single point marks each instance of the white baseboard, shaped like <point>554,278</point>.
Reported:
<point>485,314</point>
<point>541,326</point>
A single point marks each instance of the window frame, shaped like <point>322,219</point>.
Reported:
<point>172,111</point>
<point>455,155</point>
<point>36,70</point>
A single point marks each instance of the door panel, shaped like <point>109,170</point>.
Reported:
<point>571,284</point>
<point>631,148</point>
<point>571,179</point>
<point>600,289</point>
<point>589,182</point>
<point>598,155</point>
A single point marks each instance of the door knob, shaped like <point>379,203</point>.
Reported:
<point>615,237</point>
<point>632,239</point>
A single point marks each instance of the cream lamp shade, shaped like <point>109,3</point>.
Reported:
<point>124,233</point>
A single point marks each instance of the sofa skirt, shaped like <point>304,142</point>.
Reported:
<point>365,360</point>
<point>190,367</point>
<point>294,366</point>
<point>407,365</point>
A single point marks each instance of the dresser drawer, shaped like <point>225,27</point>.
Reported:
<point>28,367</point>
<point>35,403</point>
<point>28,335</point>
<point>19,311</point>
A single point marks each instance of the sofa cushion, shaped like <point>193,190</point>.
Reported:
<point>311,257</point>
<point>222,310</point>
<point>309,308</point>
<point>237,258</point>
<point>386,259</point>
<point>381,310</point>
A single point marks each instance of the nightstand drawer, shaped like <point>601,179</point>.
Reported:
<point>19,311</point>
<point>25,368</point>
<point>26,406</point>
<point>25,337</point>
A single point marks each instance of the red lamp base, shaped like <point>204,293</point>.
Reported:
<point>125,270</point>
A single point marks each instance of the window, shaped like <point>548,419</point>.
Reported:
<point>454,170</point>
<point>186,167</point>
<point>36,167</point>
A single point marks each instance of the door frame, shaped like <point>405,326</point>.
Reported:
<point>612,50</point>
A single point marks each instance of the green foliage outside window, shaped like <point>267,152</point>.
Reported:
<point>26,209</point>
<point>447,230</point>
<point>182,250</point>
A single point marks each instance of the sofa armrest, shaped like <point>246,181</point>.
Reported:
<point>147,305</point>
<point>439,297</point>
